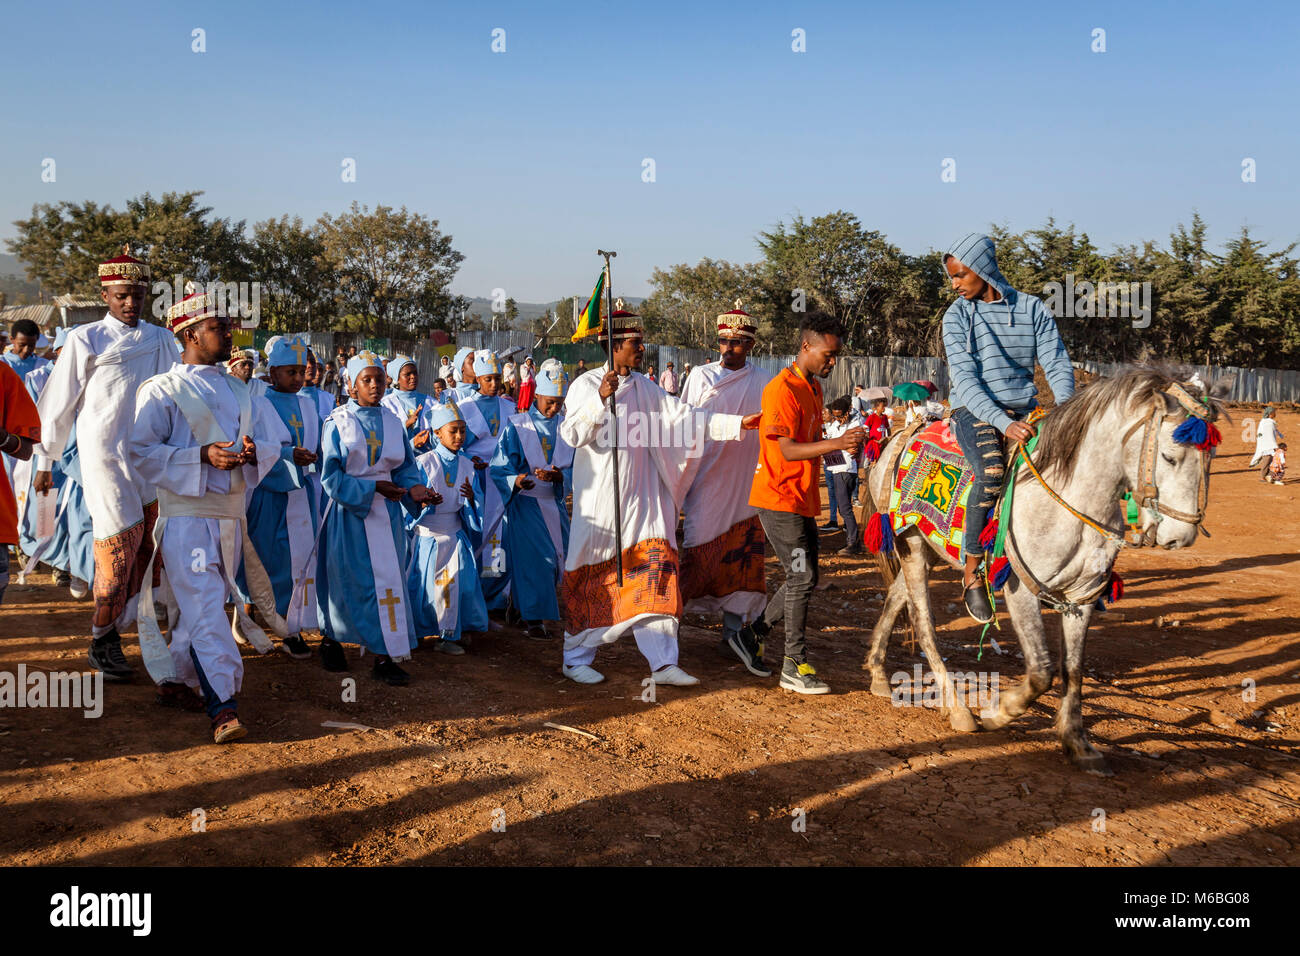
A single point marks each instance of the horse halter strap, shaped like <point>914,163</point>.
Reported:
<point>1147,495</point>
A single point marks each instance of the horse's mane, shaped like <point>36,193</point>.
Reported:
<point>1062,431</point>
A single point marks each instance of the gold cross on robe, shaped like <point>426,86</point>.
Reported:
<point>391,602</point>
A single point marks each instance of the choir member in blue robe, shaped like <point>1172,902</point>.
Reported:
<point>485,417</point>
<point>369,473</point>
<point>283,510</point>
<point>444,579</point>
<point>530,469</point>
<point>408,403</point>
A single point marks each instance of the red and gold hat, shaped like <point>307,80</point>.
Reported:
<point>622,322</point>
<point>195,307</point>
<point>238,355</point>
<point>125,269</point>
<point>736,324</point>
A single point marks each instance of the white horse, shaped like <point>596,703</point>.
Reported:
<point>1115,435</point>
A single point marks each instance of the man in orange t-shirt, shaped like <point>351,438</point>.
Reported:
<point>20,427</point>
<point>785,490</point>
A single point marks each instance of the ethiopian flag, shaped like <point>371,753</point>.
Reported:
<point>589,322</point>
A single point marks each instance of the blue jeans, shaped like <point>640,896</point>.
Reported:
<point>830,492</point>
<point>981,443</point>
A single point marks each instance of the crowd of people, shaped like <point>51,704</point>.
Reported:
<point>192,490</point>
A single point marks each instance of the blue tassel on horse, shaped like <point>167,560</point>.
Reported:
<point>1193,431</point>
<point>999,573</point>
<point>878,536</point>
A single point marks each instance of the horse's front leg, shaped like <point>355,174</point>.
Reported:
<point>1027,619</point>
<point>895,600</point>
<point>1069,715</point>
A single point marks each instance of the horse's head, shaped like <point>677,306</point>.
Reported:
<point>1178,444</point>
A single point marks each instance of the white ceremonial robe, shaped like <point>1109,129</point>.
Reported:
<point>201,532</point>
<point>723,542</point>
<point>94,386</point>
<point>659,443</point>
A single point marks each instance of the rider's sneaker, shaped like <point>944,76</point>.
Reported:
<point>977,602</point>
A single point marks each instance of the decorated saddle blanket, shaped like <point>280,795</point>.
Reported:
<point>931,488</point>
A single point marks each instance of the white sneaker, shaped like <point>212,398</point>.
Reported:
<point>583,674</point>
<point>78,588</point>
<point>676,676</point>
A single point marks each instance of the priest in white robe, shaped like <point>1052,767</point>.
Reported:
<point>723,543</point>
<point>93,387</point>
<point>203,440</point>
<point>659,443</point>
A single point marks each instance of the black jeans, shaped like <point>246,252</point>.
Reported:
<point>846,492</point>
<point>794,539</point>
<point>981,443</point>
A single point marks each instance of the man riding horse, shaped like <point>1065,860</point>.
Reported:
<point>993,336</point>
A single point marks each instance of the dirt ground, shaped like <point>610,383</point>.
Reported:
<point>458,768</point>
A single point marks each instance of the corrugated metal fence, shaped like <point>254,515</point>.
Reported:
<point>1249,384</point>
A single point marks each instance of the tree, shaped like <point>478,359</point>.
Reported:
<point>394,267</point>
<point>297,280</point>
<point>830,263</point>
<point>62,244</point>
<point>683,308</point>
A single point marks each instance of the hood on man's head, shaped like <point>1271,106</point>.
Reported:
<point>977,252</point>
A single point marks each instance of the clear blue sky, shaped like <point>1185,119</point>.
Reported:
<point>531,159</point>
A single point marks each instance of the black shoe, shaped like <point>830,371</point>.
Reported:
<point>179,696</point>
<point>513,617</point>
<point>977,603</point>
<point>746,645</point>
<point>106,656</point>
<point>62,579</point>
<point>296,647</point>
<point>851,552</point>
<point>387,671</point>
<point>830,526</point>
<point>537,630</point>
<point>332,657</point>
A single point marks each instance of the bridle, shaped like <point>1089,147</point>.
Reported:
<point>1147,494</point>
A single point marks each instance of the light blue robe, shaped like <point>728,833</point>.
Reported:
<point>400,404</point>
<point>535,566</point>
<point>345,579</point>
<point>72,546</point>
<point>482,433</point>
<point>439,528</point>
<point>268,507</point>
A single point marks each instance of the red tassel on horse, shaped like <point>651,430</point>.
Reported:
<point>990,534</point>
<point>1116,587</point>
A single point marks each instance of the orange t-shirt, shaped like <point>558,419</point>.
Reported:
<point>792,408</point>
<point>18,416</point>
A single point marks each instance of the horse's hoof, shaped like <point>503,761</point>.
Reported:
<point>995,721</point>
<point>1092,762</point>
<point>963,721</point>
<point>882,688</point>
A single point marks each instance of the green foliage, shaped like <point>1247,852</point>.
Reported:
<point>1240,307</point>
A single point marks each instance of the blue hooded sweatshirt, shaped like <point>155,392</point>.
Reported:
<point>992,347</point>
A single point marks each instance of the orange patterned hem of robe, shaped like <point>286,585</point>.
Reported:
<point>120,563</point>
<point>731,562</point>
<point>592,597</point>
